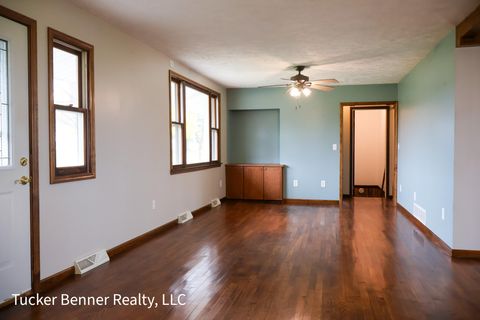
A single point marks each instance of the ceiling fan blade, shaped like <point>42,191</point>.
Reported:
<point>326,81</point>
<point>286,79</point>
<point>321,88</point>
<point>276,86</point>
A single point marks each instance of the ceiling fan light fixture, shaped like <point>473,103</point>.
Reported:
<point>300,84</point>
<point>294,92</point>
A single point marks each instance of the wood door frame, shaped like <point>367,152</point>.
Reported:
<point>352,145</point>
<point>33,140</point>
<point>394,107</point>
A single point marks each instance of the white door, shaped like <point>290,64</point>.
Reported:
<point>14,144</point>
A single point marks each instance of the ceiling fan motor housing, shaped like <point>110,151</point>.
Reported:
<point>299,78</point>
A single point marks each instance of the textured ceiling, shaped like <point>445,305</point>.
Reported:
<point>249,43</point>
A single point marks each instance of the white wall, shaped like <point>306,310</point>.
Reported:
<point>132,144</point>
<point>370,146</point>
<point>466,222</point>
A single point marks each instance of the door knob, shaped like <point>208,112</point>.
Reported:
<point>23,180</point>
<point>23,161</point>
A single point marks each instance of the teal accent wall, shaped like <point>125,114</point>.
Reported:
<point>254,136</point>
<point>426,137</point>
<point>308,128</point>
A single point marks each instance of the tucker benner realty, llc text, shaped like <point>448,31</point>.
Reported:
<point>116,299</point>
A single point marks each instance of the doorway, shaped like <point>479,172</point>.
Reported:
<point>368,156</point>
<point>19,219</point>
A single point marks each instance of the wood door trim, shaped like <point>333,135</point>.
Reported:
<point>33,139</point>
<point>394,106</point>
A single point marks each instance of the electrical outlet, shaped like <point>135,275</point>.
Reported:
<point>414,196</point>
<point>154,204</point>
<point>295,183</point>
<point>220,183</point>
<point>443,213</point>
<point>400,188</point>
<point>322,183</point>
<point>334,147</point>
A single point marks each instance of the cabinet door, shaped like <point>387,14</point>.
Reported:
<point>234,176</point>
<point>273,183</point>
<point>253,183</point>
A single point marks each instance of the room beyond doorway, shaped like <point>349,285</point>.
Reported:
<point>369,165</point>
<point>368,156</point>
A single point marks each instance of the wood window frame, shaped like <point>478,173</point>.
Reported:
<point>86,106</point>
<point>182,83</point>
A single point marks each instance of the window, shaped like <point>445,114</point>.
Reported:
<point>194,125</point>
<point>70,80</point>
<point>4,107</point>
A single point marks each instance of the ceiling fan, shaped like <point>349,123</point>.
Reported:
<point>301,84</point>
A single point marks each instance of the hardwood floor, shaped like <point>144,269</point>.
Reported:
<point>249,260</point>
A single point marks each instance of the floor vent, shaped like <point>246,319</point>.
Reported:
<point>184,217</point>
<point>420,213</point>
<point>215,202</point>
<point>88,263</point>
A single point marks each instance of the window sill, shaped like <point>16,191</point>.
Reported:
<point>70,178</point>
<point>194,167</point>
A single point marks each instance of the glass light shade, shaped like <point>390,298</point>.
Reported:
<point>295,92</point>
<point>306,91</point>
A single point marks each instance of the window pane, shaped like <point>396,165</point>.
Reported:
<point>217,107</point>
<point>176,144</point>
<point>69,139</point>
<point>213,112</point>
<point>65,78</point>
<point>198,127</point>
<point>214,145</point>
<point>174,101</point>
<point>4,107</point>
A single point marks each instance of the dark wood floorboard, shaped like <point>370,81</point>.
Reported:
<point>249,260</point>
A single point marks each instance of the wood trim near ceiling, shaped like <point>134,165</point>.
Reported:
<point>33,139</point>
<point>468,31</point>
<point>394,107</point>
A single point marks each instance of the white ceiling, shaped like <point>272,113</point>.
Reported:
<point>249,43</point>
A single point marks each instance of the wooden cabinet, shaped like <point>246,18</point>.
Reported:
<point>234,184</point>
<point>254,181</point>
<point>273,183</point>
